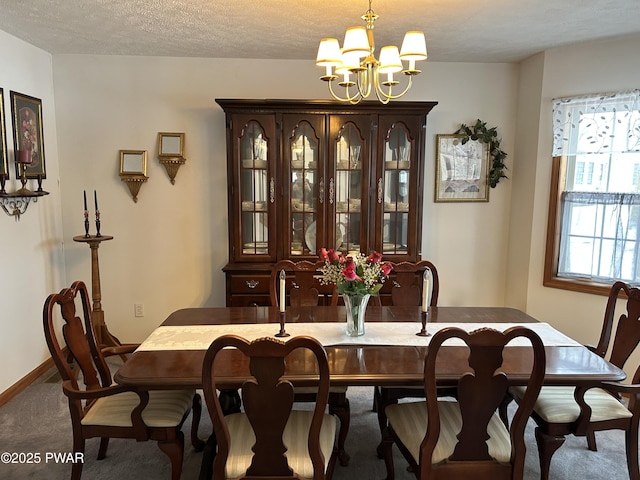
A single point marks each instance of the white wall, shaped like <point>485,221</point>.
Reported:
<point>31,253</point>
<point>595,67</point>
<point>169,247</point>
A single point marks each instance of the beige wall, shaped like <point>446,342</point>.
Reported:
<point>596,67</point>
<point>31,255</point>
<point>170,246</point>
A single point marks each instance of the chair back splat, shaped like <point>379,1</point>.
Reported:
<point>80,340</point>
<point>269,440</point>
<point>627,333</point>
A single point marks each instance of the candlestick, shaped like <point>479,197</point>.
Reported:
<point>86,216</point>
<point>283,291</point>
<point>282,332</point>
<point>423,330</point>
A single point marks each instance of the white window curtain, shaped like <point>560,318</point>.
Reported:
<point>599,233</point>
<point>580,124</point>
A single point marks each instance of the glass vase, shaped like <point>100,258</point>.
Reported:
<point>356,305</point>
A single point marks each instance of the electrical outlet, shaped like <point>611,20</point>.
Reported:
<point>138,309</point>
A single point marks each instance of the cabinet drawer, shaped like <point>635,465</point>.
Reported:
<point>250,284</point>
<point>249,300</point>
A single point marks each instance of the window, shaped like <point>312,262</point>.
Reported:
<point>593,235</point>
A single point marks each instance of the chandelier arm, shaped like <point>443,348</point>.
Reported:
<point>389,96</point>
<point>349,98</point>
<point>382,97</point>
<point>365,76</point>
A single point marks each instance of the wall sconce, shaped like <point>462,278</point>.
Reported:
<point>16,203</point>
<point>171,153</point>
<point>133,170</point>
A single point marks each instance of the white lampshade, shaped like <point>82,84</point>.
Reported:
<point>356,41</point>
<point>390,60</point>
<point>329,53</point>
<point>349,60</point>
<point>414,46</point>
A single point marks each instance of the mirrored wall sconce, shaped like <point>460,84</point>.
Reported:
<point>16,203</point>
<point>171,153</point>
<point>133,170</point>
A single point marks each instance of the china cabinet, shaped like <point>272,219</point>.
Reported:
<point>309,174</point>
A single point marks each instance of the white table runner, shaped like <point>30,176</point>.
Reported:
<point>199,337</point>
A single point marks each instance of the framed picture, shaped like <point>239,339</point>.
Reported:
<point>170,144</point>
<point>133,163</point>
<point>27,132</point>
<point>462,170</point>
<point>4,159</point>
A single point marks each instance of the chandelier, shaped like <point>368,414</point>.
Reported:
<point>369,74</point>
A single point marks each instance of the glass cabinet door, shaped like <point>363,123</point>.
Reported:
<point>305,187</point>
<point>346,191</point>
<point>396,167</point>
<point>256,189</point>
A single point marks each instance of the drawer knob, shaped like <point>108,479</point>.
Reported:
<point>252,283</point>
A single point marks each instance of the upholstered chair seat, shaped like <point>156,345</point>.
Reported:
<point>409,422</point>
<point>295,437</point>
<point>165,409</point>
<point>558,405</point>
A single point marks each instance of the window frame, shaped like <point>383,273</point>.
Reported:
<point>552,253</point>
<point>563,147</point>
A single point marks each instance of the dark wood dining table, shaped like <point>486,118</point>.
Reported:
<point>350,364</point>
<point>357,365</point>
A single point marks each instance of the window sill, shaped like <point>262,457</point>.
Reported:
<point>576,285</point>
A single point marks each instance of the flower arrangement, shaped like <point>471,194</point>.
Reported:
<point>355,274</point>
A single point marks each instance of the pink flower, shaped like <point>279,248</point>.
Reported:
<point>324,254</point>
<point>333,256</point>
<point>375,257</point>
<point>349,270</point>
<point>386,268</point>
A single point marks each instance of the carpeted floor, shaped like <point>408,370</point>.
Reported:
<point>37,421</point>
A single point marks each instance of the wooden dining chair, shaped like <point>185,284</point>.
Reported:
<point>561,411</point>
<point>302,288</point>
<point>444,438</point>
<point>406,291</point>
<point>270,439</point>
<point>101,409</point>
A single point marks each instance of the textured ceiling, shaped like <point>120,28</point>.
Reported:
<point>456,30</point>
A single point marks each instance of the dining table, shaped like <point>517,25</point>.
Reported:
<point>390,353</point>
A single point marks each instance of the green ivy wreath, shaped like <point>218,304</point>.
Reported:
<point>480,132</point>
